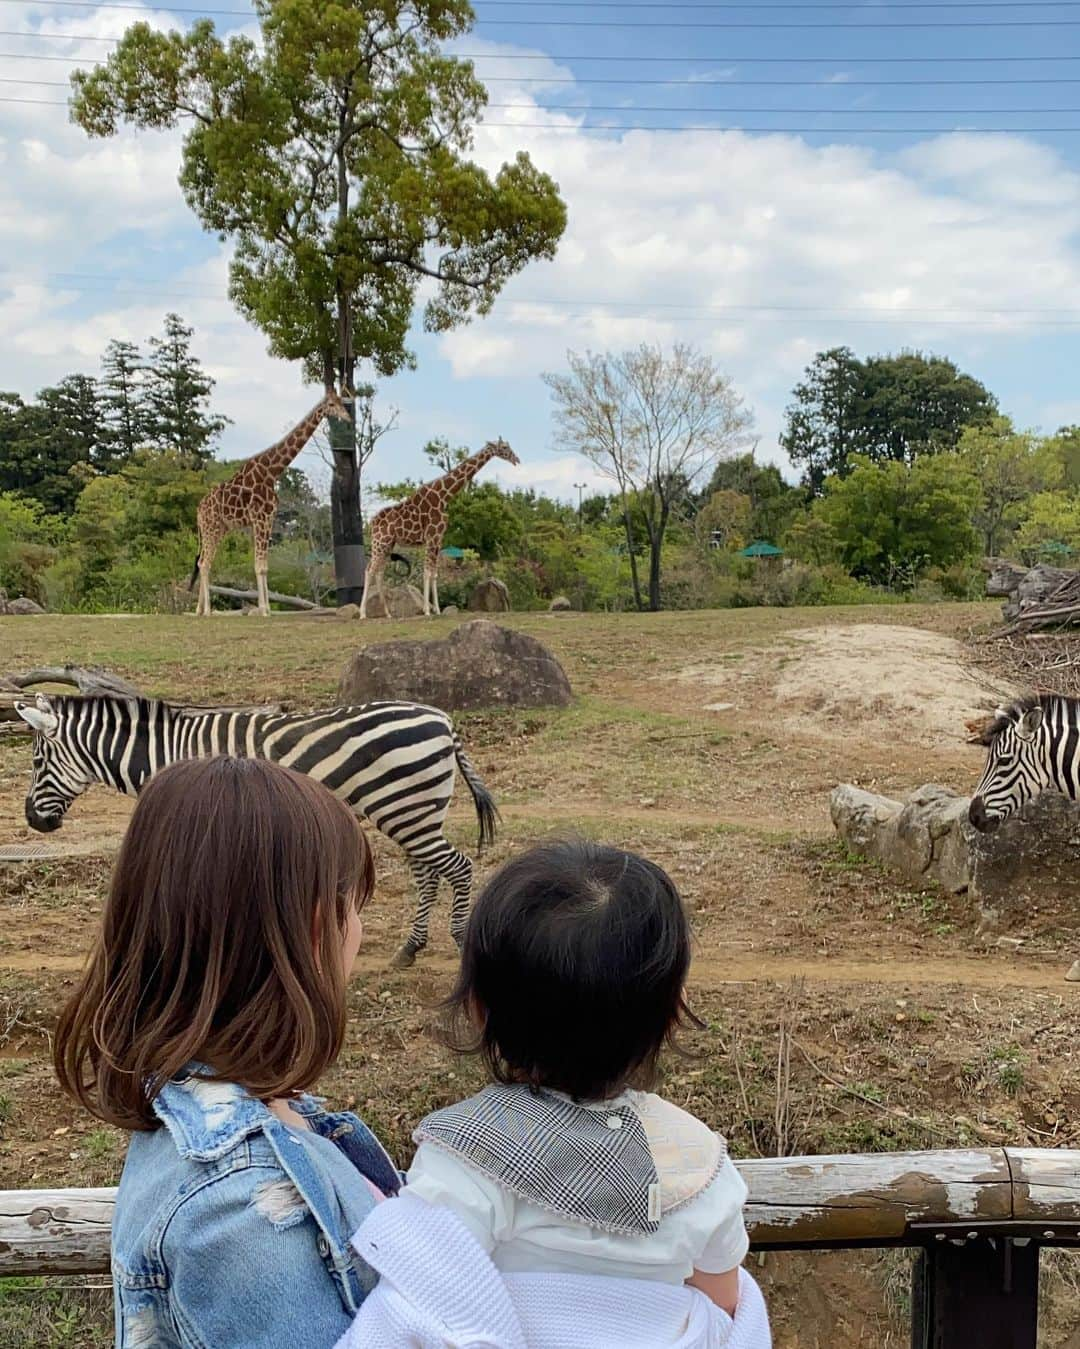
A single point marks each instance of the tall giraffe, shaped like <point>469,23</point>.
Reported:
<point>421,520</point>
<point>248,501</point>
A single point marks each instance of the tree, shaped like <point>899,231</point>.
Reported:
<point>655,422</point>
<point>1010,466</point>
<point>484,519</point>
<point>913,404</point>
<point>887,407</point>
<point>446,456</point>
<point>820,433</point>
<point>178,395</point>
<point>773,502</point>
<point>45,445</point>
<point>1050,521</point>
<point>893,517</point>
<point>333,153</point>
<point>728,515</point>
<point>122,397</point>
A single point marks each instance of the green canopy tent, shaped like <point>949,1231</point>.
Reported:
<point>759,548</point>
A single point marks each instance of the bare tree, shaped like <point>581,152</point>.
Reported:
<point>654,422</point>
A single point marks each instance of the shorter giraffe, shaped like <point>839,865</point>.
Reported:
<point>248,501</point>
<point>420,520</point>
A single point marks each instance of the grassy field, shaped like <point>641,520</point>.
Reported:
<point>904,1030</point>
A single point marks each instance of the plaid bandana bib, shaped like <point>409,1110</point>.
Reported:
<point>589,1165</point>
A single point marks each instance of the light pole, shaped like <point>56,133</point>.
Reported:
<point>580,489</point>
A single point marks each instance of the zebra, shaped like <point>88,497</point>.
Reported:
<point>1034,746</point>
<point>394,763</point>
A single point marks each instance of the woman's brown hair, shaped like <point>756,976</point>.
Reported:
<point>221,940</point>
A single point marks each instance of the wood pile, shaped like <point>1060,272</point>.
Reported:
<point>1035,597</point>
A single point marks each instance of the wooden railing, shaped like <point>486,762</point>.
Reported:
<point>979,1217</point>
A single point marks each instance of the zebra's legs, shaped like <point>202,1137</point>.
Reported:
<point>441,862</point>
<point>427,888</point>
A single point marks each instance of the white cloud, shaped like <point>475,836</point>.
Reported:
<point>671,236</point>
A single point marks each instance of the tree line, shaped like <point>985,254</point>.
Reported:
<point>157,399</point>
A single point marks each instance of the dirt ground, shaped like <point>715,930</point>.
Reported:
<point>709,742</point>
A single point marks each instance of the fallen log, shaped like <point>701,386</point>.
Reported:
<point>98,683</point>
<point>252,597</point>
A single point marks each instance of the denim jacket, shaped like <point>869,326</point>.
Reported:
<point>232,1230</point>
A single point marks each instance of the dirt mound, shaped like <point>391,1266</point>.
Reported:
<point>849,678</point>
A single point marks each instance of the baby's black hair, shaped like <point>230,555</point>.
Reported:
<point>573,971</point>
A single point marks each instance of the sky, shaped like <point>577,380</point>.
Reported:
<point>763,181</point>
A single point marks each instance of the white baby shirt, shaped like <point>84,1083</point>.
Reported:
<point>698,1212</point>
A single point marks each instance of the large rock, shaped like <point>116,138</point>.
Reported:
<point>396,602</point>
<point>21,605</point>
<point>480,665</point>
<point>560,605</point>
<point>1030,860</point>
<point>490,597</point>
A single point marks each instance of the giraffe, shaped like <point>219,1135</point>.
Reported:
<point>248,501</point>
<point>421,520</point>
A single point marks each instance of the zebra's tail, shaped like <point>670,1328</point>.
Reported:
<point>194,572</point>
<point>487,813</point>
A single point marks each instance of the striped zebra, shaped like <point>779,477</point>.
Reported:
<point>393,763</point>
<point>1034,746</point>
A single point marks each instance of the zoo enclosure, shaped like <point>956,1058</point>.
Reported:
<point>977,1217</point>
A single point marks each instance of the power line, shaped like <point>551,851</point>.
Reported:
<point>870,313</point>
<point>708,108</point>
<point>691,84</point>
<point>847,60</point>
<point>743,130</point>
<point>647,23</point>
<point>711,6</point>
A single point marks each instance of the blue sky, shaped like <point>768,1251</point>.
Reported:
<point>842,210</point>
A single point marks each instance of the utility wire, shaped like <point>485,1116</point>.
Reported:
<point>707,108</point>
<point>733,24</point>
<point>691,84</point>
<point>847,60</point>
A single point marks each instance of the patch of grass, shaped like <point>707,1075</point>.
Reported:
<point>7,1108</point>
<point>34,1314</point>
<point>101,1144</point>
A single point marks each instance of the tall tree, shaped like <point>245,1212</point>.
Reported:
<point>653,421</point>
<point>48,448</point>
<point>1010,466</point>
<point>914,404</point>
<point>334,153</point>
<point>123,398</point>
<point>774,503</point>
<point>445,456</point>
<point>178,395</point>
<point>895,407</point>
<point>893,518</point>
<point>821,430</point>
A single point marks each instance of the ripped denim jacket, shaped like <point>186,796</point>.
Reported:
<point>232,1230</point>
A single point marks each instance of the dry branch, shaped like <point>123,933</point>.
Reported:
<point>252,597</point>
<point>93,682</point>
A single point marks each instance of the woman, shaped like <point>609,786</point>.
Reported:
<point>215,998</point>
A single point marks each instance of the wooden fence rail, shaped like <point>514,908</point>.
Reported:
<point>881,1199</point>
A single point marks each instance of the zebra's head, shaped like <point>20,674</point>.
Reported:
<point>59,773</point>
<point>1017,767</point>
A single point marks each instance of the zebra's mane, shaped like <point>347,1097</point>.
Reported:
<point>1011,714</point>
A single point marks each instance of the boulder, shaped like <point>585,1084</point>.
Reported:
<point>346,612</point>
<point>490,597</point>
<point>560,605</point>
<point>396,602</point>
<point>22,605</point>
<point>449,610</point>
<point>480,665</point>
<point>1031,860</point>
